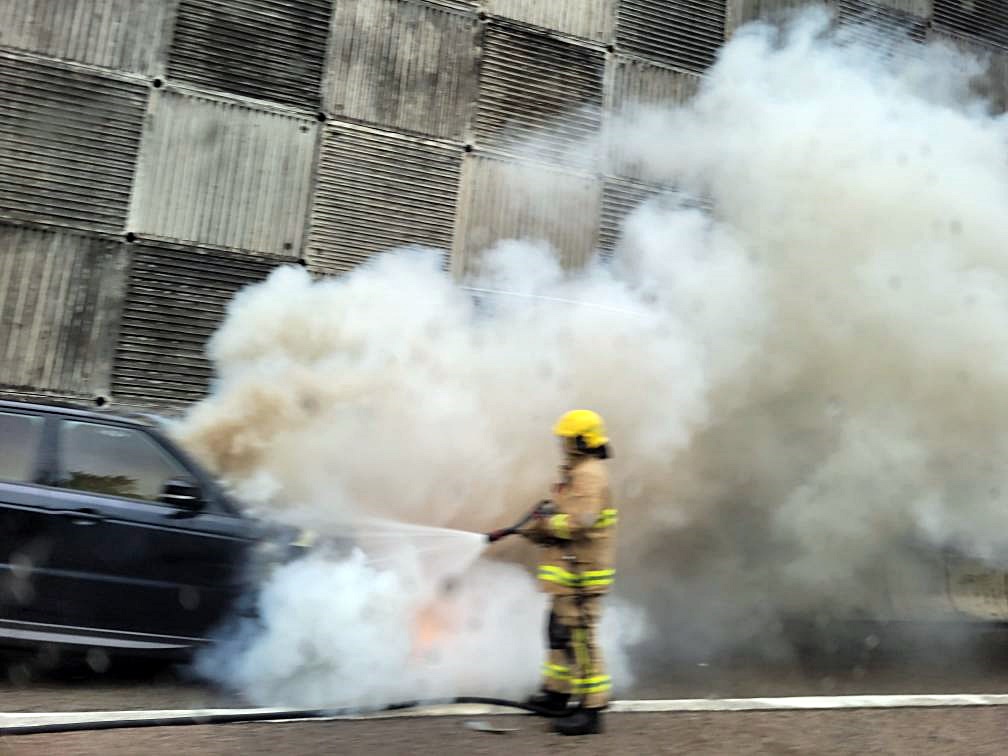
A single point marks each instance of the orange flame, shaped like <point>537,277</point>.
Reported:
<point>430,626</point>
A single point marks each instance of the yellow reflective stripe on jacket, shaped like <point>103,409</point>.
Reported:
<point>607,518</point>
<point>559,525</point>
<point>593,578</point>
<point>598,577</point>
<point>556,671</point>
<point>553,574</point>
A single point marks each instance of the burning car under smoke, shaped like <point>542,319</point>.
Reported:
<point>113,538</point>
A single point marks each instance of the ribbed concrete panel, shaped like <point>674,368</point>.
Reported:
<point>537,92</point>
<point>685,33</point>
<point>377,191</point>
<point>60,296</point>
<point>919,8</point>
<point>870,18</point>
<point>126,35</point>
<point>68,144</point>
<point>506,200</point>
<point>224,174</point>
<point>740,12</point>
<point>592,19</point>
<point>403,64</point>
<point>993,85</point>
<point>267,49</point>
<point>621,197</point>
<point>175,300</point>
<point>985,20</point>
<point>879,12</point>
<point>636,83</point>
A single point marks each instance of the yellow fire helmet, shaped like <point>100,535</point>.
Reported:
<point>584,423</point>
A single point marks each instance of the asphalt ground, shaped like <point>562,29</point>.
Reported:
<point>172,689</point>
<point>974,731</point>
<point>919,664</point>
<point>914,660</point>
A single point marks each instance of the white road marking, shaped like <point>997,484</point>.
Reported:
<point>23,719</point>
<point>803,703</point>
<point>810,702</point>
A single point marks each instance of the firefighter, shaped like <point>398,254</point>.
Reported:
<point>577,532</point>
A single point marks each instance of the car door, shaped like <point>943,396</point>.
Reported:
<point>153,567</point>
<point>30,592</point>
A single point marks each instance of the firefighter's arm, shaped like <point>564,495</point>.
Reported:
<point>577,508</point>
<point>534,529</point>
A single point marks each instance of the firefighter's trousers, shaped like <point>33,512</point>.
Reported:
<point>574,664</point>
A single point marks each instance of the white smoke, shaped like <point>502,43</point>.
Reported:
<point>344,632</point>
<point>800,387</point>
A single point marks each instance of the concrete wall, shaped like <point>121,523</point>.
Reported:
<point>157,155</point>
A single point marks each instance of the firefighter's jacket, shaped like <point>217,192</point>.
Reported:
<point>579,538</point>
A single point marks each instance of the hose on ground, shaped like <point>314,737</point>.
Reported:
<point>259,716</point>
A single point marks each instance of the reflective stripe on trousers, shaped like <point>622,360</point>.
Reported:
<point>578,668</point>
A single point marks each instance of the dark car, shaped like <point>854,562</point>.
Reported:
<point>112,537</point>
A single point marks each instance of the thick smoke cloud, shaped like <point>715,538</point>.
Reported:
<point>805,386</point>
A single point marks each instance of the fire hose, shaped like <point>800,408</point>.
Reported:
<point>261,716</point>
<point>542,509</point>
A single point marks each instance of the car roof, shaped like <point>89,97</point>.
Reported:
<point>70,409</point>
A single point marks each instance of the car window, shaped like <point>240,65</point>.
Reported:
<point>19,443</point>
<point>108,459</point>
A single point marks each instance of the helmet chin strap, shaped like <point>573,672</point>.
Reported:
<point>572,448</point>
<point>574,451</point>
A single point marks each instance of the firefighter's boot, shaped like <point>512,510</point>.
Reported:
<point>581,722</point>
<point>549,703</point>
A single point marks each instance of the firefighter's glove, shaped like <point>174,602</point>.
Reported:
<point>544,508</point>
